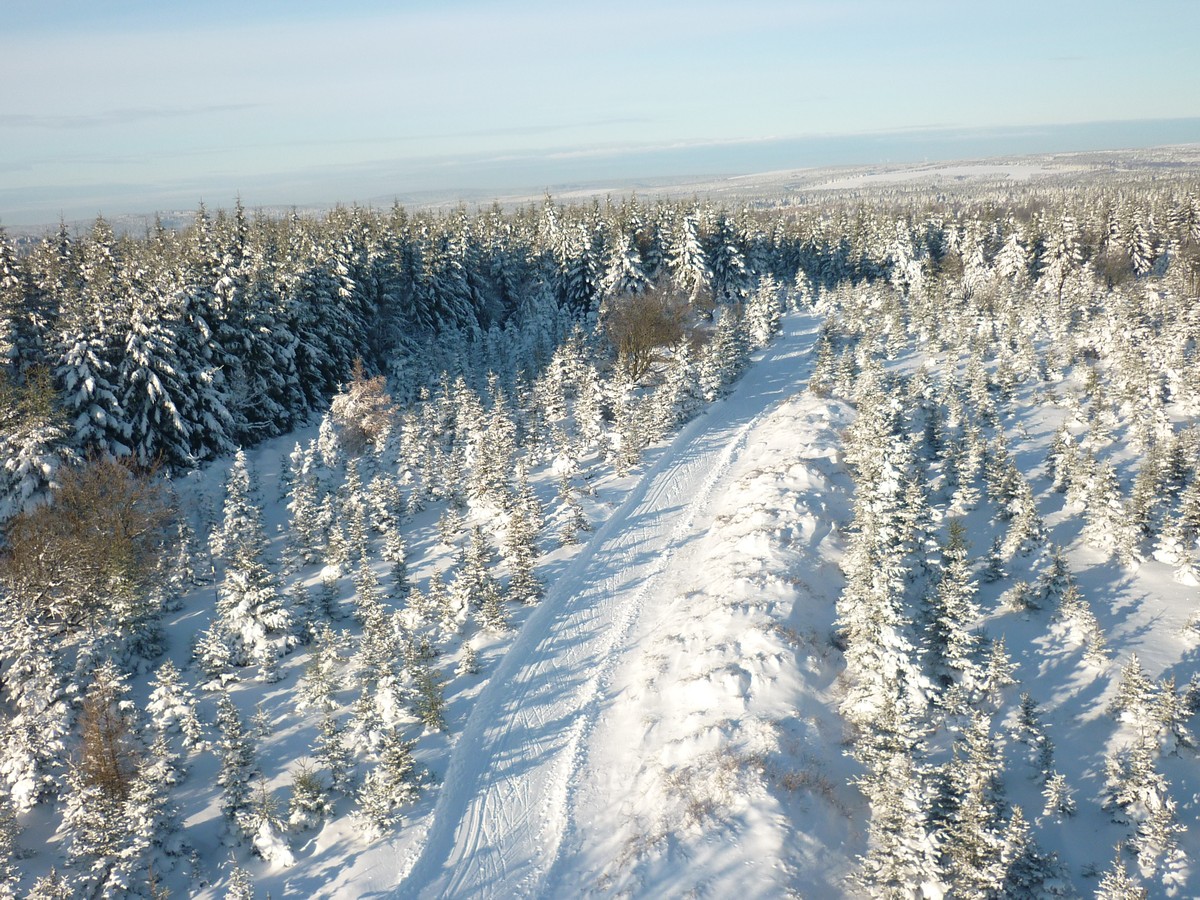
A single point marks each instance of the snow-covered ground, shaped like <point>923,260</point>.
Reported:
<point>665,722</point>
<point>639,716</point>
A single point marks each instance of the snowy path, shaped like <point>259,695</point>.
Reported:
<point>504,806</point>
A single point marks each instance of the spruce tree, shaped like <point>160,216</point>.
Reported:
<point>953,643</point>
<point>249,606</point>
<point>520,544</point>
<point>389,786</point>
<point>310,803</point>
<point>235,747</point>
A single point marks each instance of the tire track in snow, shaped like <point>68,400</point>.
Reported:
<point>504,805</point>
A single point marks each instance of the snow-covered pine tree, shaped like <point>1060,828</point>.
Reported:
<point>90,337</point>
<point>310,803</point>
<point>520,544</point>
<point>763,312</point>
<point>1139,794</point>
<point>10,830</point>
<point>250,610</point>
<point>235,747</point>
<point>33,441</point>
<point>630,431</point>
<point>953,643</point>
<point>468,664</point>
<point>730,278</point>
<point>902,849</point>
<point>687,264</point>
<point>394,552</point>
<point>972,805</point>
<point>574,519</point>
<point>1118,883</point>
<point>1108,528</point>
<point>389,786</point>
<point>241,884</point>
<point>266,829</point>
<point>623,270</point>
<point>332,754</point>
<point>155,394</point>
<point>678,398</point>
<point>172,707</point>
<point>473,573</point>
<point>154,844</point>
<point>724,356</point>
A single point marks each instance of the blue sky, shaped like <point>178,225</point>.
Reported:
<point>133,105</point>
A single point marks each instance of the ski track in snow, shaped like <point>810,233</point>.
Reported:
<point>504,807</point>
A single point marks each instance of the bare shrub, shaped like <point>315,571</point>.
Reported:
<point>363,411</point>
<point>639,325</point>
<point>92,552</point>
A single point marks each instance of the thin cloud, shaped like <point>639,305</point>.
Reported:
<point>110,117</point>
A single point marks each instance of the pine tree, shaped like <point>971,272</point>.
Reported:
<point>310,803</point>
<point>630,433</point>
<point>623,270</point>
<point>1134,701</point>
<point>154,843</point>
<point>520,544</point>
<point>1118,884</point>
<point>388,786</point>
<point>994,569</point>
<point>974,830</point>
<point>678,398</point>
<point>473,575</point>
<point>52,886</point>
<point>953,643</point>
<point>333,755</point>
<point>574,519</point>
<point>763,312</point>
<point>100,784</point>
<point>468,664</point>
<point>492,615</point>
<point>686,261</point>
<point>10,872</point>
<point>1026,529</point>
<point>33,441</point>
<point>249,607</point>
<point>320,682</point>
<point>1137,792</point>
<point>304,534</point>
<point>394,552</point>
<point>172,707</point>
<point>1108,528</point>
<point>903,852</point>
<point>155,393</point>
<point>1060,800</point>
<point>430,699</point>
<point>241,885</point>
<point>238,767</point>
<point>262,822</point>
<point>493,442</point>
<point>90,336</point>
<point>724,357</point>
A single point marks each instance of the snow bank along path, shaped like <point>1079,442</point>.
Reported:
<point>503,808</point>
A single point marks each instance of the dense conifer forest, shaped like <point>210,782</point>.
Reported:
<point>276,492</point>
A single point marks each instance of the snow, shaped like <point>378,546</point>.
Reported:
<point>628,683</point>
<point>664,722</point>
<point>942,172</point>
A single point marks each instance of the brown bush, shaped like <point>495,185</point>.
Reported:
<point>363,411</point>
<point>108,757</point>
<point>639,325</point>
<point>91,553</point>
